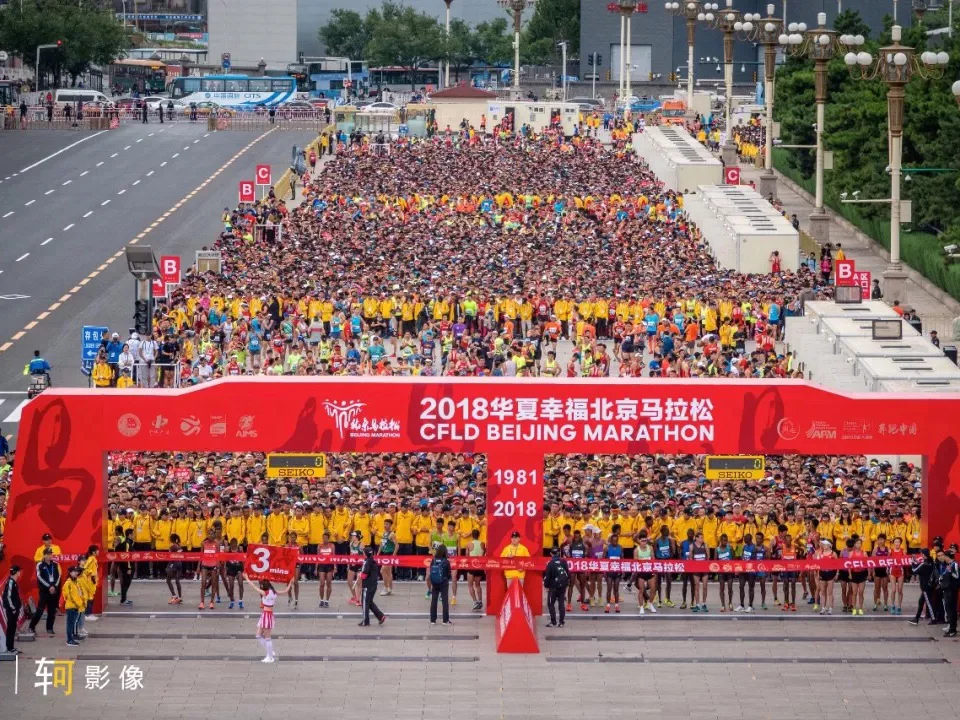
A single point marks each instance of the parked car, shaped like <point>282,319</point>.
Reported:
<point>379,107</point>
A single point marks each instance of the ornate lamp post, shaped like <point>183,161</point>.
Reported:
<point>896,65</point>
<point>692,10</point>
<point>728,22</point>
<point>626,9</point>
<point>956,91</point>
<point>516,7</point>
<point>766,31</point>
<point>820,44</point>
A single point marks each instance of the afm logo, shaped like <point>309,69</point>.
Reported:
<point>819,430</point>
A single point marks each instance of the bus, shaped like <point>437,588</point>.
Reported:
<point>9,93</point>
<point>148,77</point>
<point>240,92</point>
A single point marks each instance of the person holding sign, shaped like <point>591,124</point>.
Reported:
<point>268,599</point>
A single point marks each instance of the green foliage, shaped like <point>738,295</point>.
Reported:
<point>552,21</point>
<point>90,35</point>
<point>402,36</point>
<point>493,42</point>
<point>856,132</point>
<point>346,34</point>
<point>460,48</point>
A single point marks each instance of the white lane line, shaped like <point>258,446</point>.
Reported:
<point>136,182</point>
<point>46,241</point>
<point>186,147</point>
<point>49,192</point>
<point>128,147</point>
<point>14,417</point>
<point>85,172</point>
<point>197,140</point>
<point>207,135</point>
<point>114,155</point>
<point>64,184</point>
<point>161,129</point>
<point>58,152</point>
<point>121,192</point>
<point>68,227</point>
<point>174,155</point>
<point>89,213</point>
<point>150,135</point>
<point>28,204</point>
<point>8,214</point>
<point>163,163</point>
<point>141,139</point>
<point>105,202</point>
<point>100,163</point>
<point>23,257</point>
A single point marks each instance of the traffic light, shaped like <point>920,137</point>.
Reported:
<point>599,59</point>
<point>754,75</point>
<point>590,58</point>
<point>608,76</point>
<point>141,316</point>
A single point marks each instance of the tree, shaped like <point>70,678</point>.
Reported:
<point>459,49</point>
<point>346,34</point>
<point>492,42</point>
<point>552,21</point>
<point>404,37</point>
<point>90,35</point>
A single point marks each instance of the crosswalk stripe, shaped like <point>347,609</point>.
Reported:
<point>15,415</point>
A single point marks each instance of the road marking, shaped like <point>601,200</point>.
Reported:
<point>128,147</point>
<point>114,155</point>
<point>150,135</point>
<point>174,155</point>
<point>28,204</point>
<point>58,152</point>
<point>67,183</point>
<point>121,192</point>
<point>48,192</point>
<point>42,315</point>
<point>100,163</point>
<point>105,202</point>
<point>186,147</point>
<point>89,213</point>
<point>163,163</point>
<point>141,139</point>
<point>136,182</point>
<point>207,135</point>
<point>46,241</point>
<point>86,280</point>
<point>53,307</point>
<point>8,214</point>
<point>14,417</point>
<point>102,267</point>
<point>85,172</point>
<point>23,257</point>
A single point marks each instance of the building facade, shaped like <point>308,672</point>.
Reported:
<point>253,29</point>
<point>659,39</point>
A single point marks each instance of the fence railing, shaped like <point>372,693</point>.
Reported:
<point>156,375</point>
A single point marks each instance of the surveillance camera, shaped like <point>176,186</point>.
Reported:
<point>856,193</point>
<point>843,196</point>
<point>948,249</point>
<point>887,169</point>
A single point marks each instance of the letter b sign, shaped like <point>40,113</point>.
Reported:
<point>247,192</point>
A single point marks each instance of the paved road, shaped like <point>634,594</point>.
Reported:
<point>66,219</point>
<point>671,665</point>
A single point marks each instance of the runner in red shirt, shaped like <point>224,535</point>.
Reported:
<point>208,567</point>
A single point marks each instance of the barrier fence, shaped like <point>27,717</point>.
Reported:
<point>538,564</point>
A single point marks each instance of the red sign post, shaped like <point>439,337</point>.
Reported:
<point>169,275</point>
<point>271,562</point>
<point>263,175</point>
<point>248,193</point>
<point>731,176</point>
<point>516,632</point>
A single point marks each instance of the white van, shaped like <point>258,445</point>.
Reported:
<point>70,96</point>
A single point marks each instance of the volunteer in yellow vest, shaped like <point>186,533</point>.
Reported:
<point>515,550</point>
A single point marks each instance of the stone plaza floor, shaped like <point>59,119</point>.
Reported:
<point>673,664</point>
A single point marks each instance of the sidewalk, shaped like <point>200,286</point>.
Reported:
<point>936,309</point>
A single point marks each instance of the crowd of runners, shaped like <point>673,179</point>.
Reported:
<point>472,255</point>
<point>637,507</point>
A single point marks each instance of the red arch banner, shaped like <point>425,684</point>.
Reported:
<point>60,477</point>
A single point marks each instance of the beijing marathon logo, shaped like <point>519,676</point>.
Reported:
<point>351,421</point>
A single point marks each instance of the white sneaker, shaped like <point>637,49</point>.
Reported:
<point>749,608</point>
<point>268,659</point>
<point>652,608</point>
<point>384,593</point>
<point>739,608</point>
<point>92,618</point>
<point>642,610</point>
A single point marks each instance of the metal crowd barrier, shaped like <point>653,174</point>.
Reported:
<point>156,375</point>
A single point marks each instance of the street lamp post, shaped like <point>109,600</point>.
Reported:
<point>896,65</point>
<point>820,44</point>
<point>766,31</point>
<point>691,10</point>
<point>446,75</point>
<point>726,21</point>
<point>516,7</point>
<point>627,8</point>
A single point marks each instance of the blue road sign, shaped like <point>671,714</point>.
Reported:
<point>403,130</point>
<point>90,340</point>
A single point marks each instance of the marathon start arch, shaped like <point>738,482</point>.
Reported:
<point>59,483</point>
